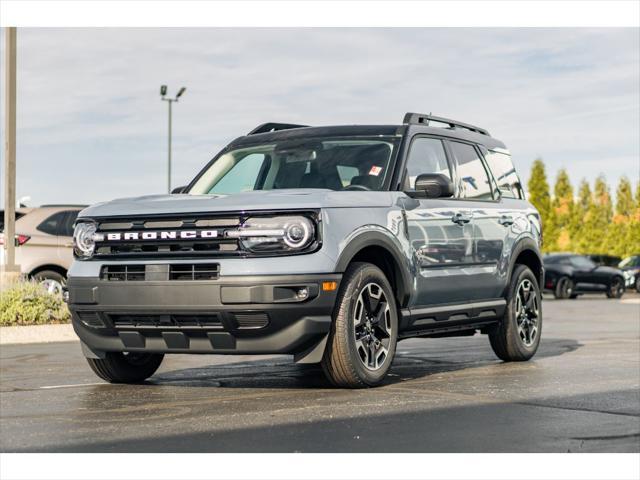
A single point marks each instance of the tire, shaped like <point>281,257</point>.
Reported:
<point>564,288</point>
<point>119,367</point>
<point>517,337</point>
<point>51,280</point>
<point>359,353</point>
<point>616,288</point>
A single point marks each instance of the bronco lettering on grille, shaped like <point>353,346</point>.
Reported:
<point>156,235</point>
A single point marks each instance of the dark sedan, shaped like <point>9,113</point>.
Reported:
<point>568,275</point>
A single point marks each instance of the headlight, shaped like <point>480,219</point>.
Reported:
<point>84,241</point>
<point>275,234</point>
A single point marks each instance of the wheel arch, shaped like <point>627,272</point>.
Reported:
<point>527,253</point>
<point>54,268</point>
<point>378,249</point>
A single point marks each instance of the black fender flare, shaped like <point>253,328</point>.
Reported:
<point>525,243</point>
<point>386,240</point>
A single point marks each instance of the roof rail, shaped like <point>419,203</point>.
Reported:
<point>420,118</point>
<point>274,127</point>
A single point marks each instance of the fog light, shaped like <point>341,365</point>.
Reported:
<point>302,294</point>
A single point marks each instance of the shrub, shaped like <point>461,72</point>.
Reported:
<point>27,303</point>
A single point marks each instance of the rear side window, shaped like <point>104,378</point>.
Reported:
<point>52,223</point>
<point>504,173</point>
<point>59,223</point>
<point>474,180</point>
<point>66,228</point>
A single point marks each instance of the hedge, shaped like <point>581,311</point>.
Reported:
<point>27,303</point>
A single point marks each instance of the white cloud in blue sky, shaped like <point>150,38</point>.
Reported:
<point>91,125</point>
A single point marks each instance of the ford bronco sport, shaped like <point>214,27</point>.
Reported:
<point>327,243</point>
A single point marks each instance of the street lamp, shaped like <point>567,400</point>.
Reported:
<point>163,93</point>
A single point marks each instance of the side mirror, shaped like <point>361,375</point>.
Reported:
<point>432,185</point>
<point>181,189</point>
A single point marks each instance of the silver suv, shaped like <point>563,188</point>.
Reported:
<point>327,243</point>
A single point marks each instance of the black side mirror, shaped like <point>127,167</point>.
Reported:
<point>181,189</point>
<point>432,185</point>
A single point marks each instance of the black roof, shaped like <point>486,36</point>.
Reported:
<point>291,132</point>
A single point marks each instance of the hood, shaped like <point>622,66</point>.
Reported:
<point>608,270</point>
<point>247,201</point>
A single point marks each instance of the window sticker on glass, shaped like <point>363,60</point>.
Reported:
<point>375,171</point>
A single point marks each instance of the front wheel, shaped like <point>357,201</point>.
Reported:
<point>616,288</point>
<point>518,335</point>
<point>126,367</point>
<point>364,332</point>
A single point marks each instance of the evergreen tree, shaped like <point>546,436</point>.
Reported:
<point>562,212</point>
<point>624,198</point>
<point>579,224</point>
<point>599,217</point>
<point>538,190</point>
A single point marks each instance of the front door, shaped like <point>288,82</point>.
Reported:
<point>440,230</point>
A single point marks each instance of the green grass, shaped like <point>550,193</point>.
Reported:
<point>27,303</point>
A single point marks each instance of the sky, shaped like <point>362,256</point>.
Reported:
<point>92,127</point>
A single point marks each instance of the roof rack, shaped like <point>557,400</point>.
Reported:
<point>70,205</point>
<point>274,127</point>
<point>420,118</point>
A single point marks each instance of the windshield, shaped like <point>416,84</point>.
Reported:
<point>333,163</point>
<point>630,262</point>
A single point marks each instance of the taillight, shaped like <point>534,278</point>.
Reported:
<point>19,239</point>
<point>22,239</point>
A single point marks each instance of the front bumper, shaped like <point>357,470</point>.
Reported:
<point>231,315</point>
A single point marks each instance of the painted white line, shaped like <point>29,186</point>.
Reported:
<point>51,387</point>
<point>631,300</point>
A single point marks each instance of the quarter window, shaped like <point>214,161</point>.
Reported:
<point>52,224</point>
<point>473,177</point>
<point>505,174</point>
<point>426,156</point>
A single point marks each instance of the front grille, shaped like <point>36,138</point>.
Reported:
<point>165,272</point>
<point>122,273</point>
<point>164,321</point>
<point>166,236</point>
<point>251,320</point>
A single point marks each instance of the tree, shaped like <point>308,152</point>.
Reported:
<point>600,217</point>
<point>538,189</point>
<point>579,224</point>
<point>562,209</point>
<point>624,198</point>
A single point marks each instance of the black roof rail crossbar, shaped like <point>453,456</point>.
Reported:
<point>274,127</point>
<point>425,119</point>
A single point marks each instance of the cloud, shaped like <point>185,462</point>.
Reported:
<point>91,125</point>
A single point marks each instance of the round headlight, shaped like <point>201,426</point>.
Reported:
<point>298,233</point>
<point>84,239</point>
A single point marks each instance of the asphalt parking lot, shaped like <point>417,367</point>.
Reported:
<point>581,393</point>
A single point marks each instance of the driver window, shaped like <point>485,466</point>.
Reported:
<point>425,156</point>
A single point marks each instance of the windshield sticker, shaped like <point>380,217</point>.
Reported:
<point>375,171</point>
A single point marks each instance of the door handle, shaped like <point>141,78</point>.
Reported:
<point>461,218</point>
<point>506,220</point>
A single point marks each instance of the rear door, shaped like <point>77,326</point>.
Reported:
<point>492,219</point>
<point>440,230</point>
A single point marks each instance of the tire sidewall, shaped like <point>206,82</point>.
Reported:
<point>521,274</point>
<point>559,293</point>
<point>362,276</point>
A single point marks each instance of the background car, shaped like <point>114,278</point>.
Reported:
<point>606,260</point>
<point>44,248</point>
<point>569,275</point>
<point>631,267</point>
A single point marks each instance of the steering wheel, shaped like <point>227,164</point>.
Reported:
<point>357,187</point>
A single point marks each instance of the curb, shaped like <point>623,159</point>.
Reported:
<point>37,334</point>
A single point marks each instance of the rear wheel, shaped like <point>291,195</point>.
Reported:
<point>564,288</point>
<point>616,288</point>
<point>364,332</point>
<point>51,281</point>
<point>518,335</point>
<point>126,367</point>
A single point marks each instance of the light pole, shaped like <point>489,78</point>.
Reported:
<point>163,93</point>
